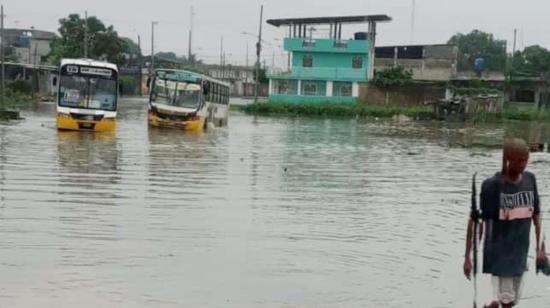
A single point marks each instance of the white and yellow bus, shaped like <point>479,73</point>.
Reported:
<point>187,100</point>
<point>87,95</point>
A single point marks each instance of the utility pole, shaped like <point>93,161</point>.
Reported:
<point>247,54</point>
<point>413,20</point>
<point>273,62</point>
<point>224,72</point>
<point>85,34</point>
<point>221,57</point>
<point>140,66</point>
<point>258,55</point>
<point>515,41</point>
<point>2,54</point>
<point>190,53</point>
<point>153,47</point>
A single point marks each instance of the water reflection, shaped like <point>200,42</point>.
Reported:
<point>182,166</point>
<point>87,152</point>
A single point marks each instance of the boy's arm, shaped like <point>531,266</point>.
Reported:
<point>467,267</point>
<point>536,222</point>
<point>469,233</point>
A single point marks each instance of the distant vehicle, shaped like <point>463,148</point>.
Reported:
<point>87,95</point>
<point>187,100</point>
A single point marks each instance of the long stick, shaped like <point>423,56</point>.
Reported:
<point>474,214</point>
<point>3,82</point>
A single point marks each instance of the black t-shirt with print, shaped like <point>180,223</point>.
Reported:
<point>507,210</point>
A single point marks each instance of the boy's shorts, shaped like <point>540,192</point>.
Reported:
<point>507,290</point>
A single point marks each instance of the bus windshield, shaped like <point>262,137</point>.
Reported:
<point>179,94</point>
<point>87,92</point>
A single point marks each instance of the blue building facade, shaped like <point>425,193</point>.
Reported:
<point>324,69</point>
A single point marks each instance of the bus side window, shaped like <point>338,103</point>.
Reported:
<point>214,91</point>
<point>226,96</point>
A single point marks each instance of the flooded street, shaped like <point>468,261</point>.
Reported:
<point>268,212</point>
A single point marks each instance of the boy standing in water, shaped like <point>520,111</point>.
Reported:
<point>509,202</point>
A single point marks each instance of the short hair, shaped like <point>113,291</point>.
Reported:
<point>516,145</point>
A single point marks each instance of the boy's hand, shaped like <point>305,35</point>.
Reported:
<point>541,255</point>
<point>468,267</point>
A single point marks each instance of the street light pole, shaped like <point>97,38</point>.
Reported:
<point>85,34</point>
<point>258,54</point>
<point>190,52</point>
<point>153,24</point>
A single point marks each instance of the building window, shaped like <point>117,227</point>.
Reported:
<point>524,96</point>
<point>283,87</point>
<point>307,61</point>
<point>310,88</point>
<point>343,89</point>
<point>357,62</point>
<point>341,44</point>
<point>346,90</point>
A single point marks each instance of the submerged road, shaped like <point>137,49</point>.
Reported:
<point>268,212</point>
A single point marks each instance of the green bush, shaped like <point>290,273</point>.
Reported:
<point>19,86</point>
<point>129,85</point>
<point>337,110</point>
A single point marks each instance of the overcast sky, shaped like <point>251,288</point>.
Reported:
<point>436,21</point>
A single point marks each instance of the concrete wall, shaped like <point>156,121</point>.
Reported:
<point>423,70</point>
<point>414,95</point>
<point>438,63</point>
<point>488,76</point>
<point>34,53</point>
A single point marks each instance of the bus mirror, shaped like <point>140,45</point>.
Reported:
<point>54,81</point>
<point>206,89</point>
<point>148,82</point>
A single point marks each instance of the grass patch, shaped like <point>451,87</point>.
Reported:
<point>512,114</point>
<point>363,111</point>
<point>337,110</point>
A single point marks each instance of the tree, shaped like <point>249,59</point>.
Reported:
<point>262,75</point>
<point>532,61</point>
<point>167,56</point>
<point>479,44</point>
<point>103,42</point>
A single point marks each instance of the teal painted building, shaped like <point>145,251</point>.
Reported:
<point>326,69</point>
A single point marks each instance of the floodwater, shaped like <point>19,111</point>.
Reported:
<point>269,212</point>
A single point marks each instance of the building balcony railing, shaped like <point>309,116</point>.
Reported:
<point>325,73</point>
<point>326,45</point>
